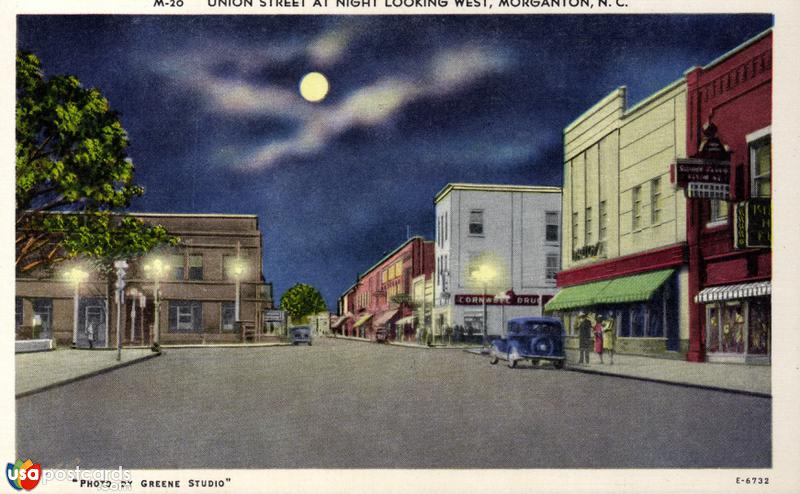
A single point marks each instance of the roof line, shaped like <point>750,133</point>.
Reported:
<point>733,51</point>
<point>390,254</point>
<point>544,189</point>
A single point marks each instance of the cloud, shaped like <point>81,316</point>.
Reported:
<point>449,71</point>
<point>330,47</point>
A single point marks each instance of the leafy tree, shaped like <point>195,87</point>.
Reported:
<point>301,301</point>
<point>71,156</point>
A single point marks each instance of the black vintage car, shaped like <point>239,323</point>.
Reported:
<point>534,338</point>
<point>301,334</point>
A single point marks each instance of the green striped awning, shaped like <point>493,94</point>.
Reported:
<point>634,288</point>
<point>576,296</point>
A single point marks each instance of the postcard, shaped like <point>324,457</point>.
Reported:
<point>402,246</point>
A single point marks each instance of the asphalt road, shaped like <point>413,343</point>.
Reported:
<point>345,404</point>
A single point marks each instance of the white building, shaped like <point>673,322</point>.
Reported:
<point>501,240</point>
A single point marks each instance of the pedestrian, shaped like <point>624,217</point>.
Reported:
<point>90,334</point>
<point>609,339</point>
<point>597,331</point>
<point>584,330</point>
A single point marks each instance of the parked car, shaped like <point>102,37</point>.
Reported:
<point>381,336</point>
<point>534,338</point>
<point>301,334</point>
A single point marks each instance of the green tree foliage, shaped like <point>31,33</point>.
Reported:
<point>301,301</point>
<point>71,156</point>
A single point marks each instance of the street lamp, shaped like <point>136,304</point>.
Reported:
<point>156,269</point>
<point>237,269</point>
<point>76,275</point>
<point>133,294</point>
<point>484,275</point>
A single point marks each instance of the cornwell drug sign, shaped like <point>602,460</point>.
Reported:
<point>753,224</point>
<point>511,299</point>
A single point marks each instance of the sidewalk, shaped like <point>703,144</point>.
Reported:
<point>747,379</point>
<point>40,371</point>
<point>409,344</point>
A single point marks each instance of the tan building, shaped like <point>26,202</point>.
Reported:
<point>197,291</point>
<point>624,245</point>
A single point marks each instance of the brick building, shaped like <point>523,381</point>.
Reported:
<point>382,294</point>
<point>729,238</point>
<point>198,293</point>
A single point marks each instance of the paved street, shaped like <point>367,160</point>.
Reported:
<point>346,404</point>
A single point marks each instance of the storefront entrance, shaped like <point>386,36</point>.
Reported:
<point>739,330</point>
<point>91,323</point>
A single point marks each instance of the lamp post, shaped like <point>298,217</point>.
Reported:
<point>120,266</point>
<point>156,269</point>
<point>133,293</point>
<point>76,275</point>
<point>142,302</point>
<point>237,271</point>
<point>484,275</point>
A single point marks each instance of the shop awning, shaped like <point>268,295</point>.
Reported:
<point>362,320</point>
<point>405,320</point>
<point>575,296</point>
<point>384,317</point>
<point>634,288</point>
<point>731,292</point>
<point>338,322</point>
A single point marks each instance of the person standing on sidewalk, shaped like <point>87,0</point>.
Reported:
<point>597,332</point>
<point>90,334</point>
<point>609,339</point>
<point>584,337</point>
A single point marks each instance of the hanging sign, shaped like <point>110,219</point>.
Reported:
<point>753,224</point>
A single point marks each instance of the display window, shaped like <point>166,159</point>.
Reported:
<point>739,327</point>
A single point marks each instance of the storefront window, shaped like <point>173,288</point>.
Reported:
<point>732,328</point>
<point>625,324</point>
<point>655,321</point>
<point>712,327</point>
<point>759,322</point>
<point>637,320</point>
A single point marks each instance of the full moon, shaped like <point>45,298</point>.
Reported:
<point>314,87</point>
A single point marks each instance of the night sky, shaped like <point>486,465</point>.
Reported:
<point>217,124</point>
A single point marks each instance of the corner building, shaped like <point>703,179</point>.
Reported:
<point>197,294</point>
<point>729,239</point>
<point>624,247</point>
<point>498,243</point>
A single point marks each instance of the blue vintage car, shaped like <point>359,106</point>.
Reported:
<point>301,334</point>
<point>534,338</point>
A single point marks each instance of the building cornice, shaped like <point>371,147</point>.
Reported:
<point>540,189</point>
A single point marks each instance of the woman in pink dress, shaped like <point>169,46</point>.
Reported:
<point>597,331</point>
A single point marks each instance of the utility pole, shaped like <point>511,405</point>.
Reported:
<point>120,266</point>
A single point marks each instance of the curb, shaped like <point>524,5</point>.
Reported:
<point>571,368</point>
<point>674,383</point>
<point>427,347</point>
<point>404,345</point>
<point>226,345</point>
<point>85,376</point>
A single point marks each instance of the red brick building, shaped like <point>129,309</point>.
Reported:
<point>730,103</point>
<point>381,295</point>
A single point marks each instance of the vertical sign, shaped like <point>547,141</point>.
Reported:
<point>753,226</point>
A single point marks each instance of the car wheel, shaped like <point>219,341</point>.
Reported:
<point>493,359</point>
<point>294,343</point>
<point>542,346</point>
<point>534,362</point>
<point>559,364</point>
<point>513,356</point>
